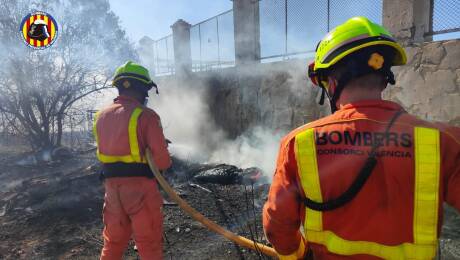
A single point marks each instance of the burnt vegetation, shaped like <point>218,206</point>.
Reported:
<point>44,93</point>
<point>54,211</point>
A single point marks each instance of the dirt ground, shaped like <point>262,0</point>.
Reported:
<point>53,211</point>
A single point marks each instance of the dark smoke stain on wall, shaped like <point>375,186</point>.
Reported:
<point>276,96</point>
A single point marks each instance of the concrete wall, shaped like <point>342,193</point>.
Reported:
<point>428,86</point>
<point>145,52</point>
<point>409,21</point>
<point>246,31</point>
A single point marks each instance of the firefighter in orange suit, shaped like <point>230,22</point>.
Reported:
<point>123,132</point>
<point>368,181</point>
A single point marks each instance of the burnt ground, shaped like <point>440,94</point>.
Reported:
<point>53,211</point>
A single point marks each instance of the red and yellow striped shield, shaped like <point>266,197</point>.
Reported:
<point>39,30</point>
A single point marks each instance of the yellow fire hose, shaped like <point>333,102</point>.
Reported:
<point>242,241</point>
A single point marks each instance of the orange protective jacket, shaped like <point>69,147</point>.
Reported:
<point>382,212</point>
<point>132,205</point>
<point>114,140</point>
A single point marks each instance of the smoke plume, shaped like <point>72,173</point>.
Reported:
<point>187,122</point>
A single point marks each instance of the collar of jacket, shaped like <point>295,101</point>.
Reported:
<point>375,103</point>
<point>126,99</point>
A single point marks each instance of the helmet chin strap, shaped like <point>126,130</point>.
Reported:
<point>390,77</point>
<point>333,99</point>
<point>156,88</point>
<point>323,95</point>
<point>338,90</point>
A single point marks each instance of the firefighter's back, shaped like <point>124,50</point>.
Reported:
<point>391,209</point>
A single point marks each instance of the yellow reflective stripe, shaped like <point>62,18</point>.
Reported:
<point>298,254</point>
<point>426,201</point>
<point>135,156</point>
<point>427,170</point>
<point>53,31</point>
<point>338,245</point>
<point>24,30</point>
<point>305,150</point>
<point>96,138</point>
<point>288,257</point>
<point>114,158</point>
<point>132,132</point>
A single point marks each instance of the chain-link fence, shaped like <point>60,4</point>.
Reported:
<point>163,55</point>
<point>294,27</point>
<point>288,28</point>
<point>212,43</point>
<point>445,16</point>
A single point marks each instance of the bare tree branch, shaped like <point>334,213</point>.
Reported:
<point>43,93</point>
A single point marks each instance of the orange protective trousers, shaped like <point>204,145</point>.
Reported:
<point>132,208</point>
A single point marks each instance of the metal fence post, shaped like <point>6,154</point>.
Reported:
<point>218,42</point>
<point>328,15</point>
<point>168,66</point>
<point>155,57</point>
<point>285,27</point>
<point>199,37</point>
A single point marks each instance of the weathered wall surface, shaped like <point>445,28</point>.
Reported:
<point>274,95</point>
<point>280,97</point>
<point>429,85</point>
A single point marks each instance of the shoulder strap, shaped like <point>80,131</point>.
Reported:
<point>358,183</point>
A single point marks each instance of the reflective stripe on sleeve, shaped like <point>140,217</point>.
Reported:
<point>96,138</point>
<point>298,254</point>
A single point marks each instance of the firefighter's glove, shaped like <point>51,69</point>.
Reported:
<point>299,254</point>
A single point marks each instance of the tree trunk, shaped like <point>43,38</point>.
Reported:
<point>59,119</point>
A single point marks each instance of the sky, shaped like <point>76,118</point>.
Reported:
<point>154,18</point>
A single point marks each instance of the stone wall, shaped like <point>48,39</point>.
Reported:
<point>279,96</point>
<point>273,95</point>
<point>429,85</point>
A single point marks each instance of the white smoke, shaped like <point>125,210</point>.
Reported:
<point>187,122</point>
<point>257,147</point>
